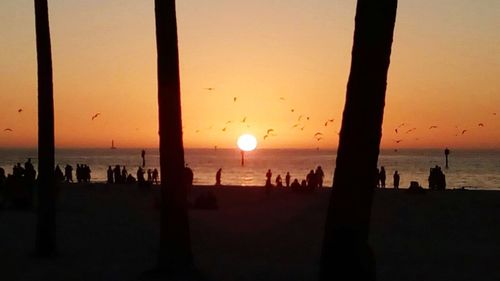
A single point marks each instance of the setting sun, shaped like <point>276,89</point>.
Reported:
<point>247,142</point>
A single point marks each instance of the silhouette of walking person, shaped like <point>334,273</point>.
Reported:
<point>109,173</point>
<point>217,177</point>
<point>68,173</point>
<point>396,180</point>
<point>143,156</point>
<point>382,177</point>
<point>269,174</point>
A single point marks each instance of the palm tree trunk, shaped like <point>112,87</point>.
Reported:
<point>175,243</point>
<point>346,254</point>
<point>46,224</point>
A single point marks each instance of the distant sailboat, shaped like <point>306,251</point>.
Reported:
<point>113,144</point>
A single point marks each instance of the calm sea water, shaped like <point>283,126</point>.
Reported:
<point>468,168</point>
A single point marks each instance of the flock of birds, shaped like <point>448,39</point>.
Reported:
<point>401,130</point>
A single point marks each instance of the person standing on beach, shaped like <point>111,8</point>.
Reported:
<point>269,174</point>
<point>68,173</point>
<point>110,175</point>
<point>446,153</point>
<point>287,179</point>
<point>319,174</point>
<point>155,176</point>
<point>217,177</point>
<point>396,180</point>
<point>382,177</point>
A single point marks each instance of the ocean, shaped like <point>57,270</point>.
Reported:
<point>467,168</point>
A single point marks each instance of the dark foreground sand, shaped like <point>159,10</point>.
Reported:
<point>111,233</point>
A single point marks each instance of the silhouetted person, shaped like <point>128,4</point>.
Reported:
<point>382,177</point>
<point>287,179</point>
<point>109,173</point>
<point>150,175</point>
<point>18,171</point>
<point>311,180</point>
<point>446,153</point>
<point>217,177</point>
<point>377,177</point>
<point>87,172</point>
<point>78,173</point>
<point>303,185</point>
<point>319,174</point>
<point>143,156</point>
<point>68,173</point>
<point>396,180</point>
<point>155,176</point>
<point>140,177</point>
<point>130,179</point>
<point>295,185</point>
<point>269,174</point>
<point>124,173</point>
<point>29,171</point>
<point>279,181</point>
<point>59,176</point>
<point>437,179</point>
<point>117,173</point>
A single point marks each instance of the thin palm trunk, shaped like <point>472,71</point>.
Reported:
<point>346,253</point>
<point>46,224</point>
<point>175,244</point>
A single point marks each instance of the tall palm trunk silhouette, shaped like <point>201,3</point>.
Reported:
<point>46,220</point>
<point>175,244</point>
<point>346,254</point>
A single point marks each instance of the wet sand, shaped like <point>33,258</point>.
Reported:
<point>112,233</point>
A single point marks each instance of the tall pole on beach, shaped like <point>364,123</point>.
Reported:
<point>242,157</point>
<point>175,255</point>
<point>346,253</point>
<point>446,153</point>
<point>46,191</point>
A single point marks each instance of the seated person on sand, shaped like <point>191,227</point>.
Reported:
<point>279,182</point>
<point>295,185</point>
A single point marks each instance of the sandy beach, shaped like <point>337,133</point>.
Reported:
<point>111,232</point>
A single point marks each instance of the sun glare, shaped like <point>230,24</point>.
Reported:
<point>247,142</point>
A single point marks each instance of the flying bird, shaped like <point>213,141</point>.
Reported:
<point>295,125</point>
<point>318,134</point>
<point>224,129</point>
<point>396,130</point>
<point>8,130</point>
<point>269,131</point>
<point>209,89</point>
<point>234,99</point>
<point>266,136</point>
<point>433,127</point>
<point>292,110</point>
<point>229,122</point>
<point>328,121</point>
<point>300,117</point>
<point>319,138</point>
<point>95,115</point>
<point>244,119</point>
<point>401,125</point>
<point>302,129</point>
<point>410,130</point>
<point>480,125</point>
<point>197,131</point>
<point>20,110</point>
<point>282,98</point>
<point>463,132</point>
<point>307,117</point>
<point>398,141</point>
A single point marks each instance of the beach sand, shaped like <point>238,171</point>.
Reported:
<point>112,233</point>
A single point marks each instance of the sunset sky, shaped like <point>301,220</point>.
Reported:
<point>272,55</point>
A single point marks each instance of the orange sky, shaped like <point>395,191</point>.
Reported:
<point>444,71</point>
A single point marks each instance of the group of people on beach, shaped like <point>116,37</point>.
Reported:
<point>380,178</point>
<point>313,180</point>
<point>120,175</point>
<point>83,173</point>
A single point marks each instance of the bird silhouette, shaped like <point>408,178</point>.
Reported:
<point>229,122</point>
<point>307,118</point>
<point>463,131</point>
<point>234,99</point>
<point>396,130</point>
<point>95,115</point>
<point>20,110</point>
<point>328,121</point>
<point>302,129</point>
<point>480,125</point>
<point>295,125</point>
<point>398,141</point>
<point>197,131</point>
<point>244,119</point>
<point>282,98</point>
<point>494,113</point>
<point>209,89</point>
<point>300,117</point>
<point>318,134</point>
<point>319,138</point>
<point>8,130</point>
<point>224,129</point>
<point>266,136</point>
<point>433,127</point>
<point>269,131</point>
<point>410,130</point>
<point>292,110</point>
